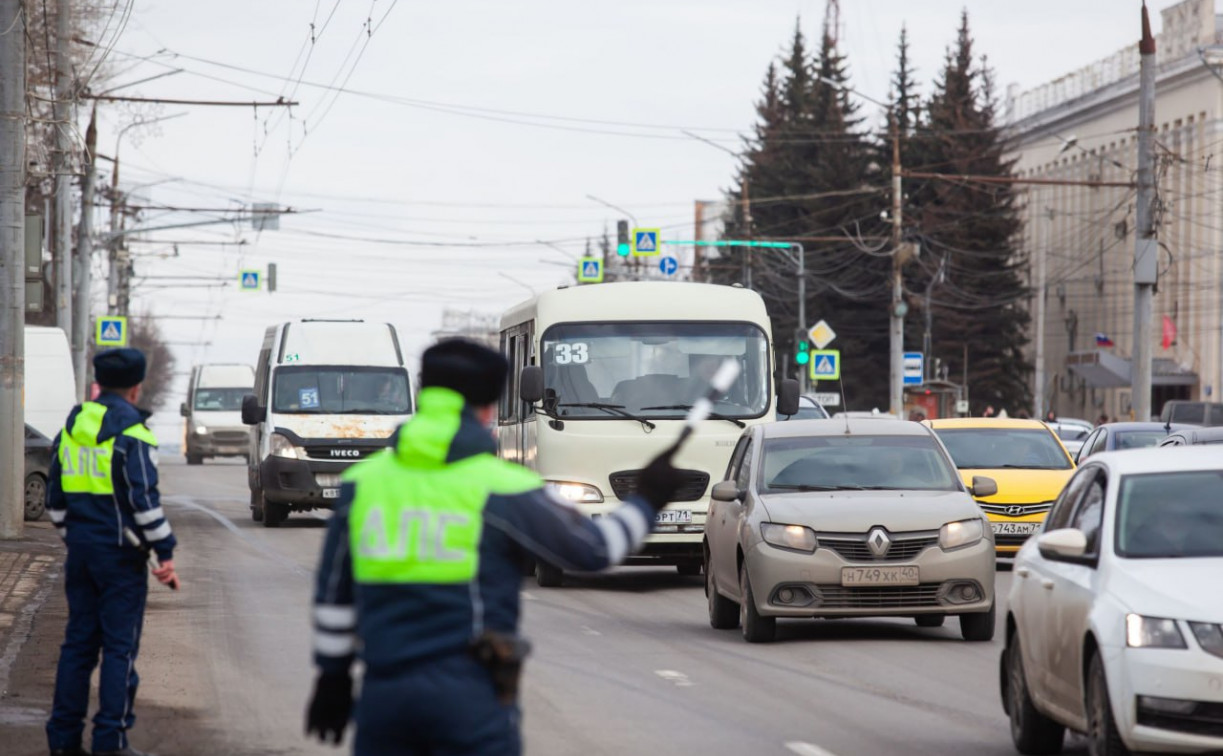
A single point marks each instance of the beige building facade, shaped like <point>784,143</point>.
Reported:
<point>1080,238</point>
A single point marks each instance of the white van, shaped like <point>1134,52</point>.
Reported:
<point>602,378</point>
<point>327,394</point>
<point>50,385</point>
<point>214,412</point>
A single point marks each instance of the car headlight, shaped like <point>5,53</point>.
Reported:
<point>793,537</point>
<point>201,430</point>
<point>283,447</point>
<point>961,533</point>
<point>1210,637</point>
<point>576,493</point>
<point>1152,632</point>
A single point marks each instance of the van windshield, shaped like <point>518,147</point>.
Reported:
<point>341,390</point>
<point>653,369</point>
<point>220,399</point>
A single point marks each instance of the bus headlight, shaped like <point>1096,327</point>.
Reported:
<point>283,447</point>
<point>576,493</point>
<point>201,430</point>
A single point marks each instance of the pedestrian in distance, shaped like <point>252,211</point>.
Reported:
<point>422,564</point>
<point>1102,420</point>
<point>101,491</point>
<point>989,411</point>
<point>916,415</point>
<point>1050,417</point>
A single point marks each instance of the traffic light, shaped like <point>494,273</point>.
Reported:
<point>622,241</point>
<point>802,349</point>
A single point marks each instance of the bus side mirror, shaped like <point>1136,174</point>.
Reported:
<point>182,410</point>
<point>531,384</point>
<point>787,397</point>
<point>252,413</point>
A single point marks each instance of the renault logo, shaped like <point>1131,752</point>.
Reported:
<point>878,542</point>
<point>1014,510</point>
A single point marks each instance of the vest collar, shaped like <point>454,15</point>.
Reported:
<point>442,430</point>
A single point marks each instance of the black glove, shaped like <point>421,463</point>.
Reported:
<point>330,708</point>
<point>660,481</point>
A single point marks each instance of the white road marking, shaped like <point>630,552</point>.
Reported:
<point>679,678</point>
<point>586,630</point>
<point>807,749</point>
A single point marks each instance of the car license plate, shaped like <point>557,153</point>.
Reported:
<point>1015,528</point>
<point>673,517</point>
<point>331,493</point>
<point>897,575</point>
<point>327,480</point>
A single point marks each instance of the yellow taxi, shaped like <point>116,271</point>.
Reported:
<point>1026,459</point>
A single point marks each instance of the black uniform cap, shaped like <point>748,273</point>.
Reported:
<point>471,369</point>
<point>119,368</point>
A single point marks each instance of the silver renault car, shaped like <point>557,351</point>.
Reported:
<point>847,518</point>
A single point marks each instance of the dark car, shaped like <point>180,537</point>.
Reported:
<point>38,450</point>
<point>1194,437</point>
<point>1192,413</point>
<point>1117,436</point>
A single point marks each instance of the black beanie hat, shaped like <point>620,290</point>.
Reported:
<point>119,368</point>
<point>473,370</point>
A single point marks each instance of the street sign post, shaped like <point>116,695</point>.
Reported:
<point>828,398</point>
<point>825,364</point>
<point>822,335</point>
<point>590,270</point>
<point>645,242</point>
<point>913,364</point>
<point>110,331</point>
<point>668,265</point>
<point>249,280</point>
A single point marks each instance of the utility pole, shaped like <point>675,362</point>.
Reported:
<point>747,230</point>
<point>62,164</point>
<point>1146,249</point>
<point>899,308</point>
<point>81,308</point>
<point>1042,255</point>
<point>12,268</point>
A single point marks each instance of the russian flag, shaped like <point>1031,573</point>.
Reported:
<point>1103,340</point>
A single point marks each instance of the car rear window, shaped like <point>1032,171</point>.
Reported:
<point>856,463</point>
<point>994,448</point>
<point>1170,515</point>
<point>1139,439</point>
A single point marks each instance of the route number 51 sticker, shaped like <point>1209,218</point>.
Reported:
<point>571,354</point>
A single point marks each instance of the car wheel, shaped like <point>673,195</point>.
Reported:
<point>35,496</point>
<point>930,620</point>
<point>257,505</point>
<point>723,613</point>
<point>978,626</point>
<point>548,575</point>
<point>274,514</point>
<point>688,569</point>
<point>195,459</point>
<point>756,629</point>
<point>1102,736</point>
<point>1032,732</point>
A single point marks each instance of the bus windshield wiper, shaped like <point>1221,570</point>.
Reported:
<point>804,487</point>
<point>712,415</point>
<point>614,409</point>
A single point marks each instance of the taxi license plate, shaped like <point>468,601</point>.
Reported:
<point>898,575</point>
<point>673,517</point>
<point>331,493</point>
<point>1015,528</point>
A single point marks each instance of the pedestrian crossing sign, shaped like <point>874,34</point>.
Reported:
<point>645,241</point>
<point>248,280</point>
<point>111,331</point>
<point>590,270</point>
<point>825,365</point>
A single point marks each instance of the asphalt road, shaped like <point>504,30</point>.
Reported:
<point>624,662</point>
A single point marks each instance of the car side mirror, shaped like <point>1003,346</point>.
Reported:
<point>787,397</point>
<point>983,486</point>
<point>1064,543</point>
<point>727,490</point>
<point>252,413</point>
<point>182,410</point>
<point>531,384</point>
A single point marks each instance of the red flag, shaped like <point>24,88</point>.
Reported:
<point>1169,332</point>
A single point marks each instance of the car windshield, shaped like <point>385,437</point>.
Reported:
<point>1170,515</point>
<point>652,369</point>
<point>1139,439</point>
<point>855,463</point>
<point>341,390</point>
<point>993,448</point>
<point>220,399</point>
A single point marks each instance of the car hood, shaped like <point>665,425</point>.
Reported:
<point>858,511</point>
<point>1018,486</point>
<point>1184,589</point>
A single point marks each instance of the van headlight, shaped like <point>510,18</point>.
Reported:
<point>1152,632</point>
<point>283,447</point>
<point>575,493</point>
<point>201,430</point>
<point>793,537</point>
<point>961,533</point>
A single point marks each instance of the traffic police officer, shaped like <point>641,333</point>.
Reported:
<point>422,562</point>
<point>103,481</point>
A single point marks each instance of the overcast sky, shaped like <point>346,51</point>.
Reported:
<point>479,122</point>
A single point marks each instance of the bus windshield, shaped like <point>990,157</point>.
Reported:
<point>652,369</point>
<point>341,390</point>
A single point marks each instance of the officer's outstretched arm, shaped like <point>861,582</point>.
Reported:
<point>335,616</point>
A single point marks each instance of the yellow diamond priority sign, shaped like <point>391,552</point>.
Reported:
<point>821,334</point>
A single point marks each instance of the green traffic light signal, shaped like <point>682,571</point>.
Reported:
<point>801,355</point>
<point>622,249</point>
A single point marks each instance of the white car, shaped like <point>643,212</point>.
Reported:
<point>1115,619</point>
